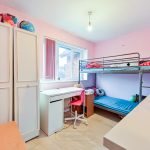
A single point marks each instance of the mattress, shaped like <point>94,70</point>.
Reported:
<point>134,69</point>
<point>119,106</point>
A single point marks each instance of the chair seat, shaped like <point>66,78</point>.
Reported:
<point>76,102</point>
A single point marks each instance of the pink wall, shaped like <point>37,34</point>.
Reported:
<point>45,29</point>
<point>123,86</point>
<point>132,42</point>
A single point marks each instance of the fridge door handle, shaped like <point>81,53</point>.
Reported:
<point>56,101</point>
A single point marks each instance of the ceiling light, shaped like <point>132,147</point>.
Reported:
<point>89,23</point>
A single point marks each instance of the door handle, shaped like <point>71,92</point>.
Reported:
<point>56,101</point>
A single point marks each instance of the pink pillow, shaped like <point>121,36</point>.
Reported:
<point>93,65</point>
<point>145,63</point>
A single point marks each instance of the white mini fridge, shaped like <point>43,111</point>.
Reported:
<point>51,113</point>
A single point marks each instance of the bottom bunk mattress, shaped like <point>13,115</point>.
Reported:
<point>116,105</point>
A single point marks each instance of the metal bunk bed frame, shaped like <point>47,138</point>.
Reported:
<point>109,61</point>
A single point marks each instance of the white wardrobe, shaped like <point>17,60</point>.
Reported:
<point>6,73</point>
<point>24,80</point>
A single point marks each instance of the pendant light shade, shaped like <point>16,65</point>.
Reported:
<point>89,21</point>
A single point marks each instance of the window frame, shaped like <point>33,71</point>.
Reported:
<point>83,52</point>
<point>73,49</point>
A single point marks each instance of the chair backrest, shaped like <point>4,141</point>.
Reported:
<point>82,96</point>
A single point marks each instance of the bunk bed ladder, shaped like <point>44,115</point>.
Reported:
<point>146,87</point>
<point>141,79</point>
<point>141,85</point>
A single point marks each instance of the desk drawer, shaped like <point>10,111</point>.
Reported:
<point>89,103</point>
<point>54,98</point>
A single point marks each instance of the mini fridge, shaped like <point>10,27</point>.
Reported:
<point>51,113</point>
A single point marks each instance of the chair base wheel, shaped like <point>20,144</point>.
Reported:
<point>76,118</point>
<point>86,123</point>
<point>74,127</point>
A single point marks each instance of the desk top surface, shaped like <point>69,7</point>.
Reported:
<point>55,92</point>
<point>133,131</point>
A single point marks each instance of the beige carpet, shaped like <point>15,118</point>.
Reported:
<point>83,138</point>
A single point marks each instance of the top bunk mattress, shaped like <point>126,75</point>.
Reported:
<point>124,63</point>
<point>117,105</point>
<point>132,69</point>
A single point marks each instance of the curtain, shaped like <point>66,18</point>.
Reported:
<point>50,59</point>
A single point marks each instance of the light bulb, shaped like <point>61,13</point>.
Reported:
<point>89,27</point>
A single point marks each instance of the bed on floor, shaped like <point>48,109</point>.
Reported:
<point>130,63</point>
<point>116,105</point>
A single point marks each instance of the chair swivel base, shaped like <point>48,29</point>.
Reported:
<point>77,117</point>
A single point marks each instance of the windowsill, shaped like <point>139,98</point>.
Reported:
<point>58,81</point>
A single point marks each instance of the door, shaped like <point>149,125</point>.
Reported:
<point>55,116</point>
<point>5,73</point>
<point>26,83</point>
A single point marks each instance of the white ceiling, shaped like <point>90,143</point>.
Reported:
<point>110,18</point>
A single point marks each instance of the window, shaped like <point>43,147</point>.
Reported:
<point>61,61</point>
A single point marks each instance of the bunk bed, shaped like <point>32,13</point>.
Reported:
<point>130,63</point>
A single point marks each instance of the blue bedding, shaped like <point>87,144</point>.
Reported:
<point>119,106</point>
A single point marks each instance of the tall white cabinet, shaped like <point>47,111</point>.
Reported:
<point>26,84</point>
<point>5,73</point>
<point>19,85</point>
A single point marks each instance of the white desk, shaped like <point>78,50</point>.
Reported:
<point>52,108</point>
<point>132,132</point>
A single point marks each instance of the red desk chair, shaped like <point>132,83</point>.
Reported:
<point>77,102</point>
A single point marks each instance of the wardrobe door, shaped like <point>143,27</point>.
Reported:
<point>26,83</point>
<point>5,73</point>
